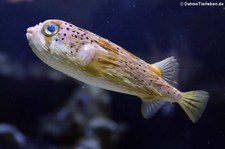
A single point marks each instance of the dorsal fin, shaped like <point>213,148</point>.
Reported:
<point>167,69</point>
<point>156,70</point>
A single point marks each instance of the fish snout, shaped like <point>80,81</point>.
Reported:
<point>30,32</point>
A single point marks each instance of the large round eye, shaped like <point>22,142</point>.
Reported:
<point>51,29</point>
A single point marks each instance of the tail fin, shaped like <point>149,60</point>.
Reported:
<point>194,103</point>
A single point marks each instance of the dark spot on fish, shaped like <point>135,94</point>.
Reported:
<point>68,28</point>
<point>61,27</point>
<point>70,25</point>
<point>75,36</point>
<point>144,70</point>
<point>82,35</point>
<point>92,41</point>
<point>65,23</point>
<point>85,34</point>
<point>117,48</point>
<point>135,78</point>
<point>81,38</point>
<point>157,78</point>
<point>73,31</point>
<point>168,93</point>
<point>58,33</point>
<point>71,46</point>
<point>56,39</point>
<point>64,34</point>
<point>87,38</point>
<point>62,38</point>
<point>71,52</point>
<point>137,68</point>
<point>78,32</point>
<point>151,80</point>
<point>76,50</point>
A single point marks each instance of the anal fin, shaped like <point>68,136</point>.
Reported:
<point>151,106</point>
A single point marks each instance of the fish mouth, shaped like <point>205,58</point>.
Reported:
<point>32,30</point>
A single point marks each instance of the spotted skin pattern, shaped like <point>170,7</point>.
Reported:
<point>92,59</point>
<point>115,65</point>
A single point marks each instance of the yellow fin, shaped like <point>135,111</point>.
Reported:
<point>167,69</point>
<point>156,70</point>
<point>194,103</point>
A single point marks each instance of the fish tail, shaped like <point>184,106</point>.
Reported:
<point>194,103</point>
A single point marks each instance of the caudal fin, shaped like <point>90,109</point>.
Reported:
<point>194,103</point>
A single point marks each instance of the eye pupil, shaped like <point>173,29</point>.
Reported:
<point>51,28</point>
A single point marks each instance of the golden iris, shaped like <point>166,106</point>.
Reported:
<point>50,29</point>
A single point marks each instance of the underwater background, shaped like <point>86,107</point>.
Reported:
<point>41,108</point>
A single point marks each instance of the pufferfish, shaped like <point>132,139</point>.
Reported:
<point>95,60</point>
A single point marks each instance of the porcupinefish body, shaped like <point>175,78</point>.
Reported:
<point>94,60</point>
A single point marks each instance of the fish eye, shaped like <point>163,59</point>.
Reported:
<point>51,29</point>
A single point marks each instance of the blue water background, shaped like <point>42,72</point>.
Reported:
<point>152,30</point>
